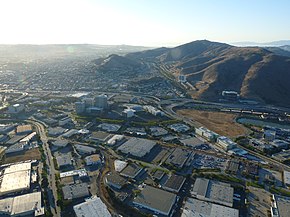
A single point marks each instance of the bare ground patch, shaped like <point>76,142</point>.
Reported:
<point>219,122</point>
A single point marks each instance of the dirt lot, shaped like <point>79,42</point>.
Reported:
<point>219,122</point>
<point>32,154</point>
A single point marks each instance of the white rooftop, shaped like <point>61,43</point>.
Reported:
<point>119,165</point>
<point>91,208</point>
<point>22,204</point>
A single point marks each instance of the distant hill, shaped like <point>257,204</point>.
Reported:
<point>212,67</point>
<point>266,44</point>
<point>120,64</point>
<point>280,50</point>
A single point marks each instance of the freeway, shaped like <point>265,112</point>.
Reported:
<point>52,193</point>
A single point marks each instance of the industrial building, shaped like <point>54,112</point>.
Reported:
<point>137,147</point>
<point>174,183</point>
<point>99,137</point>
<point>24,129</point>
<point>131,171</point>
<point>287,178</point>
<point>226,143</point>
<point>75,191</point>
<point>64,160</point>
<point>280,206</point>
<point>213,191</point>
<point>15,178</point>
<point>152,110</point>
<point>178,157</point>
<point>198,208</point>
<point>114,180</point>
<point>206,133</point>
<point>119,165</point>
<point>16,108</point>
<point>156,200</point>
<point>93,160</point>
<point>23,205</point>
<point>128,113</point>
<point>83,149</point>
<point>179,128</point>
<point>92,207</point>
<point>115,140</point>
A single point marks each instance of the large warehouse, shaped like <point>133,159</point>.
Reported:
<point>213,191</point>
<point>156,200</point>
<point>198,208</point>
<point>23,205</point>
<point>137,147</point>
<point>15,178</point>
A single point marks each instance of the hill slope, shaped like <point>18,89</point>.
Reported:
<point>211,67</point>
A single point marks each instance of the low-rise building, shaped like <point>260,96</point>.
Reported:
<point>226,143</point>
<point>199,208</point>
<point>156,200</point>
<point>131,171</point>
<point>64,160</point>
<point>99,137</point>
<point>213,191</point>
<point>16,108</point>
<point>84,149</point>
<point>92,207</point>
<point>115,181</point>
<point>206,133</point>
<point>179,128</point>
<point>24,129</point>
<point>93,160</point>
<point>23,205</point>
<point>75,191</point>
<point>137,147</point>
<point>15,178</point>
<point>174,183</point>
<point>287,178</point>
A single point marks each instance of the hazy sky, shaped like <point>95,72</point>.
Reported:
<point>142,22</point>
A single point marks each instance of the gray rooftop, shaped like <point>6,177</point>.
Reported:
<point>75,191</point>
<point>283,204</point>
<point>155,199</point>
<point>174,183</point>
<point>198,208</point>
<point>137,147</point>
<point>64,160</point>
<point>92,207</point>
<point>178,157</point>
<point>132,170</point>
<point>116,179</point>
<point>213,191</point>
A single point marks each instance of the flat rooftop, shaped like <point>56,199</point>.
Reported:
<point>287,177</point>
<point>283,204</point>
<point>15,178</point>
<point>91,208</point>
<point>27,203</point>
<point>178,157</point>
<point>23,128</point>
<point>174,183</point>
<point>155,199</point>
<point>131,170</point>
<point>199,208</point>
<point>213,191</point>
<point>137,147</point>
